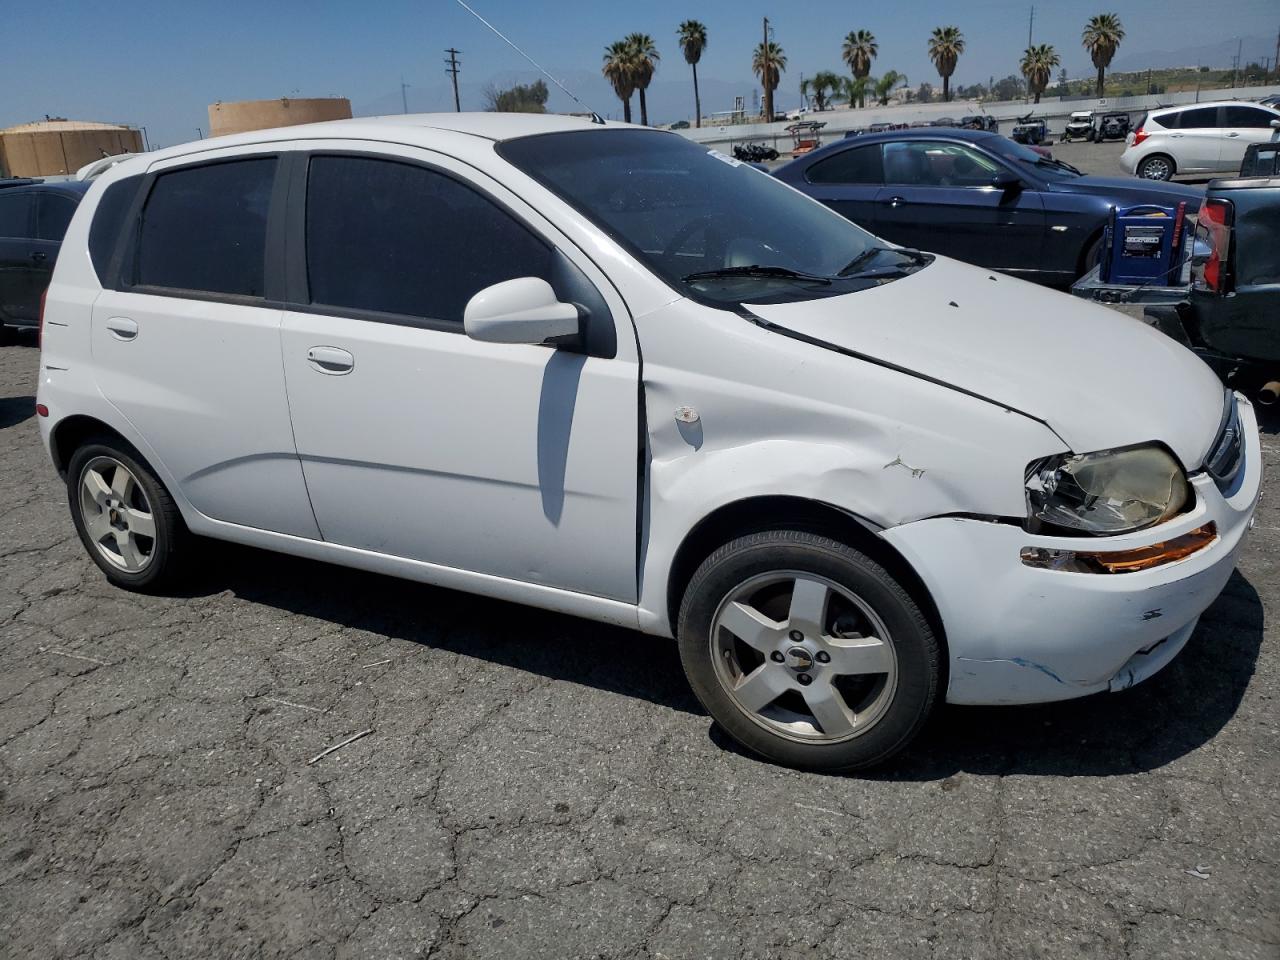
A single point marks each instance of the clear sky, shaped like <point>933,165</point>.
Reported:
<point>160,64</point>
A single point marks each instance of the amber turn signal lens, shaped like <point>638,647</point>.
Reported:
<point>1121,561</point>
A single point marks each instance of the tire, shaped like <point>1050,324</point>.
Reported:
<point>1158,166</point>
<point>1091,255</point>
<point>794,598</point>
<point>8,336</point>
<point>128,523</point>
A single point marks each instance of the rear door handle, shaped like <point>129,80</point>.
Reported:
<point>39,257</point>
<point>122,328</point>
<point>331,360</point>
<point>896,201</point>
<point>1233,134</point>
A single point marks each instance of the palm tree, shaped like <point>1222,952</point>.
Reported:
<point>619,70</point>
<point>859,50</point>
<point>945,46</point>
<point>822,84</point>
<point>644,57</point>
<point>693,40</point>
<point>855,90</point>
<point>1102,35</point>
<point>1037,66</point>
<point>887,84</point>
<point>768,63</point>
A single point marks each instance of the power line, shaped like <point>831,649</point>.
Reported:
<point>541,69</point>
<point>453,63</point>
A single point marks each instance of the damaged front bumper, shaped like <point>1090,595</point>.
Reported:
<point>1024,634</point>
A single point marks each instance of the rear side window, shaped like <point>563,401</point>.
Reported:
<point>53,214</point>
<point>859,165</point>
<point>1248,117</point>
<point>1202,118</point>
<point>397,238</point>
<point>108,224</point>
<point>205,228</point>
<point>15,214</point>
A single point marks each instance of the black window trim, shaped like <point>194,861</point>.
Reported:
<point>285,266</point>
<point>297,294</point>
<point>125,256</point>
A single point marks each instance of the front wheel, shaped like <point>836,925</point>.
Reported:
<point>1156,167</point>
<point>125,517</point>
<point>807,651</point>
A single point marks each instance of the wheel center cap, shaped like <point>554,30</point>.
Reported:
<point>798,658</point>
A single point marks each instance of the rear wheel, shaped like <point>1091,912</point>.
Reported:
<point>1156,167</point>
<point>808,652</point>
<point>126,519</point>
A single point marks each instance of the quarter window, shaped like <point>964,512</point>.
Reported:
<point>15,215</point>
<point>859,165</point>
<point>205,228</point>
<point>397,238</point>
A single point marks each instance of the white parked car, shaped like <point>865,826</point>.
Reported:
<point>604,370</point>
<point>1197,138</point>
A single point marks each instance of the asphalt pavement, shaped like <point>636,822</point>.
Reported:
<point>532,785</point>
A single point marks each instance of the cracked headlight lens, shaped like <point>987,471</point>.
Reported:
<point>1109,492</point>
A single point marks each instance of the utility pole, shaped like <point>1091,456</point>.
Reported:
<point>764,75</point>
<point>404,97</point>
<point>1278,54</point>
<point>1031,22</point>
<point>1235,66</point>
<point>452,61</point>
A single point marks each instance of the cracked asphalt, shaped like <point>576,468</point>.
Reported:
<point>540,786</point>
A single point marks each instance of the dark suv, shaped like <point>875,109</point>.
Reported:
<point>33,217</point>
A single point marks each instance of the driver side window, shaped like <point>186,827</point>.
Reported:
<point>924,163</point>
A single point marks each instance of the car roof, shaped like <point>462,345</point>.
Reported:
<point>891,136</point>
<point>1210,103</point>
<point>68,187</point>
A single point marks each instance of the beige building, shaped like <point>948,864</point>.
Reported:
<point>56,146</point>
<point>245,115</point>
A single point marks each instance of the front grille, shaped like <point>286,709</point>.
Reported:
<point>1227,453</point>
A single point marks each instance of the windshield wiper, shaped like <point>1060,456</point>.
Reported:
<point>756,270</point>
<point>852,266</point>
<point>1055,162</point>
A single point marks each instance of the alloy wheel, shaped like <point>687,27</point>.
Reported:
<point>1156,168</point>
<point>804,657</point>
<point>117,514</point>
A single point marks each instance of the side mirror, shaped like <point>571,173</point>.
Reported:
<point>1006,180</point>
<point>1275,124</point>
<point>524,310</point>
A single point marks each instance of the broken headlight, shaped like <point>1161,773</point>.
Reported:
<point>1109,492</point>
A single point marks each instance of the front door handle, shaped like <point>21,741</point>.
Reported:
<point>896,201</point>
<point>331,360</point>
<point>122,328</point>
<point>39,256</point>
<point>1233,134</point>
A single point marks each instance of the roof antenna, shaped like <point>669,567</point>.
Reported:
<point>595,117</point>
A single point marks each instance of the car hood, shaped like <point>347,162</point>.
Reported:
<point>1097,378</point>
<point>1132,190</point>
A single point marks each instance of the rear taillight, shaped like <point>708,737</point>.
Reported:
<point>40,329</point>
<point>1215,218</point>
<point>1138,136</point>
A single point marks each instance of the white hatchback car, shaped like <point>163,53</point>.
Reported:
<point>604,370</point>
<point>1197,138</point>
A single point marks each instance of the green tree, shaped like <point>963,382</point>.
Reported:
<point>945,46</point>
<point>521,98</point>
<point>619,70</point>
<point>859,50</point>
<point>768,63</point>
<point>644,58</point>
<point>822,85</point>
<point>1101,37</point>
<point>1037,66</point>
<point>693,40</point>
<point>886,85</point>
<point>855,90</point>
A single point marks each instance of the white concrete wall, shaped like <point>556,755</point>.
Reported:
<point>1054,109</point>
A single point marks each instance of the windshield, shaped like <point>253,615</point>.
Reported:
<point>715,229</point>
<point>1045,168</point>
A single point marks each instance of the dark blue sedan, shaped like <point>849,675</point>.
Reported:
<point>975,196</point>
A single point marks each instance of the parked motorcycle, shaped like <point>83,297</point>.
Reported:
<point>754,152</point>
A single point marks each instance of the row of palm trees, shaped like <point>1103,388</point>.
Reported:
<point>630,63</point>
